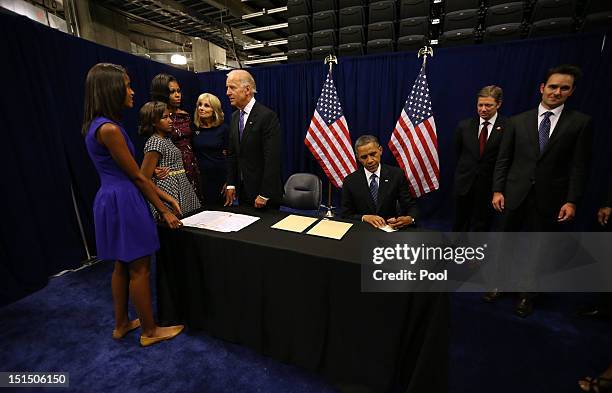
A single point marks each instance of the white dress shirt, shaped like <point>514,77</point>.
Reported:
<point>369,174</point>
<point>554,118</point>
<point>489,127</point>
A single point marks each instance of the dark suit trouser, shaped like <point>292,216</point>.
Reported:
<point>473,211</point>
<point>605,298</point>
<point>528,218</point>
<point>249,201</point>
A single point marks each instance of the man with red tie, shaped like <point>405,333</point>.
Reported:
<point>477,142</point>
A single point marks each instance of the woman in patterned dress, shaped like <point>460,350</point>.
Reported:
<point>165,88</point>
<point>155,123</point>
<point>125,230</point>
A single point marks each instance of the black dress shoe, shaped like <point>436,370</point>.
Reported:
<point>524,307</point>
<point>594,312</point>
<point>492,296</point>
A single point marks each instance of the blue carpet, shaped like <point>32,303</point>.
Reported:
<point>67,327</point>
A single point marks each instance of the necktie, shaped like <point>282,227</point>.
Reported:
<point>241,124</point>
<point>374,188</point>
<point>482,138</point>
<point>544,130</point>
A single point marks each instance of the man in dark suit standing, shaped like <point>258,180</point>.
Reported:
<point>374,192</point>
<point>542,165</point>
<point>477,143</point>
<point>254,147</point>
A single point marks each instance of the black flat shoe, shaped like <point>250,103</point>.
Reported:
<point>594,312</point>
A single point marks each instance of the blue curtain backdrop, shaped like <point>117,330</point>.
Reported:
<point>44,72</point>
<point>373,90</point>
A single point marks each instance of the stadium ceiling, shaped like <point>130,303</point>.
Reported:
<point>240,27</point>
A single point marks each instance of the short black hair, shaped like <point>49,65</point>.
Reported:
<point>159,87</point>
<point>149,115</point>
<point>566,69</point>
<point>364,140</point>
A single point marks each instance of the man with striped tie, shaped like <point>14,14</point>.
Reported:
<point>542,166</point>
<point>377,193</point>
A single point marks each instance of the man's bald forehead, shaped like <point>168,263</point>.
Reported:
<point>240,73</point>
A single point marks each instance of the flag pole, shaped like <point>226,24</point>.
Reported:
<point>425,51</point>
<point>330,60</point>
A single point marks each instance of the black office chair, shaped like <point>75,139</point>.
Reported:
<point>505,13</point>
<point>381,30</point>
<point>323,5</point>
<point>414,26</point>
<point>457,37</point>
<point>324,20</point>
<point>299,24</point>
<point>299,41</point>
<point>350,3</point>
<point>412,8</point>
<point>352,16</point>
<point>463,19</point>
<point>599,21</point>
<point>296,55</point>
<point>303,191</point>
<point>552,26</point>
<point>596,6</point>
<point>456,5</point>
<point>321,52</point>
<point>504,32</point>
<point>324,37</point>
<point>350,49</point>
<point>351,35</point>
<point>380,46</point>
<point>411,42</point>
<point>298,7</point>
<point>546,9</point>
<point>382,11</point>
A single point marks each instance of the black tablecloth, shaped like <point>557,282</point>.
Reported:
<point>297,298</point>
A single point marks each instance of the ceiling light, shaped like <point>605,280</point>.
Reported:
<point>178,59</point>
<point>266,60</point>
<point>266,28</point>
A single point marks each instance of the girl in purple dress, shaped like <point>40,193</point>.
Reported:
<point>165,88</point>
<point>125,230</point>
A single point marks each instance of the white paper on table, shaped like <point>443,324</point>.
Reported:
<point>387,228</point>
<point>219,221</point>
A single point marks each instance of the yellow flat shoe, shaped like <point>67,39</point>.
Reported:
<point>146,341</point>
<point>118,334</point>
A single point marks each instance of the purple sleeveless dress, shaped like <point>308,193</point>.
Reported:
<point>125,229</point>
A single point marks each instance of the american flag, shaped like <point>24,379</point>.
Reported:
<point>328,138</point>
<point>414,142</point>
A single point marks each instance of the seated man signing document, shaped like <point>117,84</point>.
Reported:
<point>375,192</point>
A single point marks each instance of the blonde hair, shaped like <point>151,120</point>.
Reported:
<point>218,116</point>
